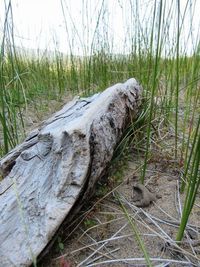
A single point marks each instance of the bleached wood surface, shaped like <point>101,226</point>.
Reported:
<point>56,167</point>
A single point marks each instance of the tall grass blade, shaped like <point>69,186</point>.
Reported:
<point>153,91</point>
<point>136,233</point>
<point>193,180</point>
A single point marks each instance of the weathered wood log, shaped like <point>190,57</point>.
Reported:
<point>56,167</point>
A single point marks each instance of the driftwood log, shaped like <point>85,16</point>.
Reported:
<point>56,167</point>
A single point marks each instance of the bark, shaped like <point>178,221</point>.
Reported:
<point>56,167</point>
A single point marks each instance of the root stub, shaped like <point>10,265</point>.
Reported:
<point>142,197</point>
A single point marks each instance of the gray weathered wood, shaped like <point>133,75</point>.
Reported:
<point>56,167</point>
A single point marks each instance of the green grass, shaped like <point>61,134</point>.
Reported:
<point>136,233</point>
<point>157,57</point>
<point>192,175</point>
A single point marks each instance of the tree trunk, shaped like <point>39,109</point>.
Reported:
<point>56,167</point>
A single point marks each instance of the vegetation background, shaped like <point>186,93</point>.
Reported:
<point>159,49</point>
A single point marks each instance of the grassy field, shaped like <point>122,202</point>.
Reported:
<point>159,55</point>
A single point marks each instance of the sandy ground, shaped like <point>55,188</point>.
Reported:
<point>106,236</point>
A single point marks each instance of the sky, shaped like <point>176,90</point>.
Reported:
<point>71,24</point>
<point>41,23</point>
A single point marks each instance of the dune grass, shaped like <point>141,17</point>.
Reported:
<point>158,55</point>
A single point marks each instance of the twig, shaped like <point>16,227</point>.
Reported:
<point>84,261</point>
<point>140,260</point>
<point>103,255</point>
